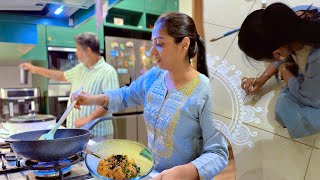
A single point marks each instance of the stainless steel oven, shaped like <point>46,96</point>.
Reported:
<point>58,96</point>
<point>62,59</point>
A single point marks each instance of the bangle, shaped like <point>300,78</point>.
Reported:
<point>281,72</point>
<point>266,74</point>
<point>105,100</point>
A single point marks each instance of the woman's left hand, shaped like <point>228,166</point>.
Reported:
<point>183,172</point>
<point>286,65</point>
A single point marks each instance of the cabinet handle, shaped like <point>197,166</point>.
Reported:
<point>61,99</point>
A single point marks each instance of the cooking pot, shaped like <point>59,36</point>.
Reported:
<point>30,122</point>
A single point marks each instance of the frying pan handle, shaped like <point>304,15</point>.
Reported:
<point>9,140</point>
<point>91,124</point>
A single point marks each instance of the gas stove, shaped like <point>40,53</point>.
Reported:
<point>13,168</point>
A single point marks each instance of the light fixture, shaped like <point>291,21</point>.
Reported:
<point>59,10</point>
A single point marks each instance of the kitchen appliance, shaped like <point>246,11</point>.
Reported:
<point>131,58</point>
<point>18,101</point>
<point>62,59</point>
<point>17,168</point>
<point>30,122</point>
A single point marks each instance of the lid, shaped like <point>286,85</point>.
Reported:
<point>32,118</point>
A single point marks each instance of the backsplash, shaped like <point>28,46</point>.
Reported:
<point>10,75</point>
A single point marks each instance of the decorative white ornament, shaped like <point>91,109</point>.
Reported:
<point>237,131</point>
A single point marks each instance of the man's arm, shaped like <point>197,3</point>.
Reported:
<point>52,74</point>
<point>99,112</point>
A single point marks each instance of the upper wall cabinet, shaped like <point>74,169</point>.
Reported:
<point>39,51</point>
<point>131,5</point>
<point>156,6</point>
<point>139,14</point>
<point>63,36</point>
<point>172,5</point>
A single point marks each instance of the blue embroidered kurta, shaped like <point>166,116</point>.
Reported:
<point>179,122</point>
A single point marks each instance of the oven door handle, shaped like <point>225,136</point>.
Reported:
<point>61,99</point>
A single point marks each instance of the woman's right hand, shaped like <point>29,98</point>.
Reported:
<point>85,99</point>
<point>246,84</point>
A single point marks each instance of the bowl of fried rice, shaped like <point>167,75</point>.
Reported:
<point>119,159</point>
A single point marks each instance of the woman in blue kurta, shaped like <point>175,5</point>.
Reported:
<point>177,103</point>
<point>291,40</point>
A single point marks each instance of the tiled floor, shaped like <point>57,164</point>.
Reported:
<point>273,155</point>
<point>313,172</point>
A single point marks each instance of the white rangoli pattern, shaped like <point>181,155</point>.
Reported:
<point>237,131</point>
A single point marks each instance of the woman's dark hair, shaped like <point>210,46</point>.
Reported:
<point>264,31</point>
<point>179,26</point>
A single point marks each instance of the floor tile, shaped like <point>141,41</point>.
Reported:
<point>219,47</point>
<point>228,13</point>
<point>317,142</point>
<point>313,172</point>
<point>269,156</point>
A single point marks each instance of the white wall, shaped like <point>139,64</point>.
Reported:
<point>185,6</point>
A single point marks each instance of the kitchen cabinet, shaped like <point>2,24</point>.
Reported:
<point>142,131</point>
<point>125,126</point>
<point>16,39</point>
<point>161,6</point>
<point>132,5</point>
<point>63,36</point>
<point>131,127</point>
<point>130,18</point>
<point>139,15</point>
<point>172,5</point>
<point>39,51</point>
<point>156,6</point>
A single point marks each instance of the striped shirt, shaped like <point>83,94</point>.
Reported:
<point>95,80</point>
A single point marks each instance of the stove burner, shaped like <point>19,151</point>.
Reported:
<point>5,145</point>
<point>10,157</point>
<point>52,172</point>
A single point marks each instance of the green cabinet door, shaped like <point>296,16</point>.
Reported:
<point>155,6</point>
<point>63,36</point>
<point>172,6</point>
<point>39,51</point>
<point>132,5</point>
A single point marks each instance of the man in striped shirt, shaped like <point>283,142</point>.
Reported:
<point>93,74</point>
